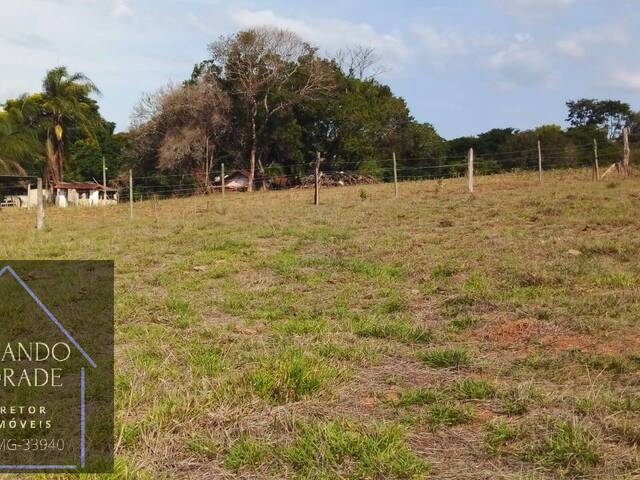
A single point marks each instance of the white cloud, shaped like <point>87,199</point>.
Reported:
<point>520,63</point>
<point>625,79</point>
<point>121,9</point>
<point>330,33</point>
<point>533,8</point>
<point>199,25</point>
<point>578,44</point>
<point>441,42</point>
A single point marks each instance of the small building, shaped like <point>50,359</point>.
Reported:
<point>237,180</point>
<point>19,191</point>
<point>83,194</point>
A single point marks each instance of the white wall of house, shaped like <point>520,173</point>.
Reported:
<point>62,199</point>
<point>239,181</point>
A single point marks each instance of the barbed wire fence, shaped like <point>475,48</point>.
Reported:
<point>394,170</point>
<point>438,168</point>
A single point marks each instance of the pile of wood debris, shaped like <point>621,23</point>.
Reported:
<point>338,179</point>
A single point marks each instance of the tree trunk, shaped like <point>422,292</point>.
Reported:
<point>54,157</point>
<point>61,162</point>
<point>263,174</point>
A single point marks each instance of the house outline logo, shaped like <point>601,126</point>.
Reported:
<point>83,352</point>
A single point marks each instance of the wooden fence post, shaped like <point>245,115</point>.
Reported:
<point>596,167</point>
<point>206,165</point>
<point>626,158</point>
<point>539,161</point>
<point>316,195</point>
<point>395,175</point>
<point>155,207</point>
<point>40,207</point>
<point>104,182</point>
<point>131,194</point>
<point>470,170</point>
<point>222,179</point>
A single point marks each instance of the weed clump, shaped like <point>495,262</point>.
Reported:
<point>473,389</point>
<point>398,330</point>
<point>569,446</point>
<point>446,357</point>
<point>290,376</point>
<point>463,323</point>
<point>498,434</point>
<point>448,414</point>
<point>341,449</point>
<point>417,396</point>
<point>245,452</point>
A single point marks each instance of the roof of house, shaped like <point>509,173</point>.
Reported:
<point>244,173</point>
<point>81,186</point>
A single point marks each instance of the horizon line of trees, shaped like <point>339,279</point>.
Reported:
<point>265,100</point>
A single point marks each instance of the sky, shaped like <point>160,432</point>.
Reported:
<point>463,66</point>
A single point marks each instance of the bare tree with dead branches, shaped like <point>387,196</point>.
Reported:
<point>360,62</point>
<point>183,125</point>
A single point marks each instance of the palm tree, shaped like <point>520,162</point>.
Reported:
<point>65,97</point>
<point>14,142</point>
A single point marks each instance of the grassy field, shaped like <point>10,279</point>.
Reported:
<point>442,335</point>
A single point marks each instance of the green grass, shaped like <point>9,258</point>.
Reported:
<point>245,452</point>
<point>499,434</point>
<point>474,389</point>
<point>341,449</point>
<point>517,400</point>
<point>417,396</point>
<point>446,357</point>
<point>354,317</point>
<point>391,329</point>
<point>569,446</point>
<point>463,323</point>
<point>290,376</point>
<point>447,415</point>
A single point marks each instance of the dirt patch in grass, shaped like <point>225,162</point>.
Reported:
<point>561,342</point>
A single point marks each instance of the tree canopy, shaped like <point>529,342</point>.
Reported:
<point>265,100</point>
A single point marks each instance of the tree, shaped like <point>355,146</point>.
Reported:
<point>65,101</point>
<point>15,142</point>
<point>360,62</point>
<point>357,127</point>
<point>609,115</point>
<point>267,71</point>
<point>635,128</point>
<point>181,126</point>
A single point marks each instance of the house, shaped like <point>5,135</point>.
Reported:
<point>237,180</point>
<point>18,191</point>
<point>83,194</point>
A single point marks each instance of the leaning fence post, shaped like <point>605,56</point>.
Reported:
<point>40,207</point>
<point>131,194</point>
<point>596,167</point>
<point>222,179</point>
<point>626,163</point>
<point>539,161</point>
<point>395,174</point>
<point>470,170</point>
<point>316,195</point>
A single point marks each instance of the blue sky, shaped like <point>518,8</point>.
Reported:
<point>464,66</point>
